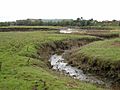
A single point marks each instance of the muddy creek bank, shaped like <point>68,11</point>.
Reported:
<point>50,50</point>
<point>26,29</point>
<point>47,49</point>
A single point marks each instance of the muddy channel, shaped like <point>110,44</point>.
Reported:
<point>57,62</point>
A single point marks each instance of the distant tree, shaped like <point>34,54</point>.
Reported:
<point>4,23</point>
<point>78,19</point>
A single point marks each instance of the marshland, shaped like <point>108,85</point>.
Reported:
<point>42,58</point>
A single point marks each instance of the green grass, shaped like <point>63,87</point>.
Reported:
<point>106,50</point>
<point>17,74</point>
<point>114,27</point>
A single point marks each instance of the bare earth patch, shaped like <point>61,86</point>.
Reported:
<point>117,44</point>
<point>72,84</point>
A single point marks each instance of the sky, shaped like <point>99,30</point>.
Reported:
<point>11,10</point>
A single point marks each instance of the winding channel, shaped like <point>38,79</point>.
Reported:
<point>58,63</point>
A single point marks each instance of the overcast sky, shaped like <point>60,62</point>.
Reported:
<point>11,10</point>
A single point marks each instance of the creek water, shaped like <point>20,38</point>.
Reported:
<point>58,63</point>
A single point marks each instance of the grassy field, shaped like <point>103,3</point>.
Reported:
<point>104,56</point>
<point>17,74</point>
<point>107,50</point>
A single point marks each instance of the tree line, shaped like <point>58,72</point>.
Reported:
<point>63,22</point>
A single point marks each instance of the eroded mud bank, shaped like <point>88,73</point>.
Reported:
<point>26,29</point>
<point>108,71</point>
<point>103,68</point>
<point>105,35</point>
<point>46,50</point>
